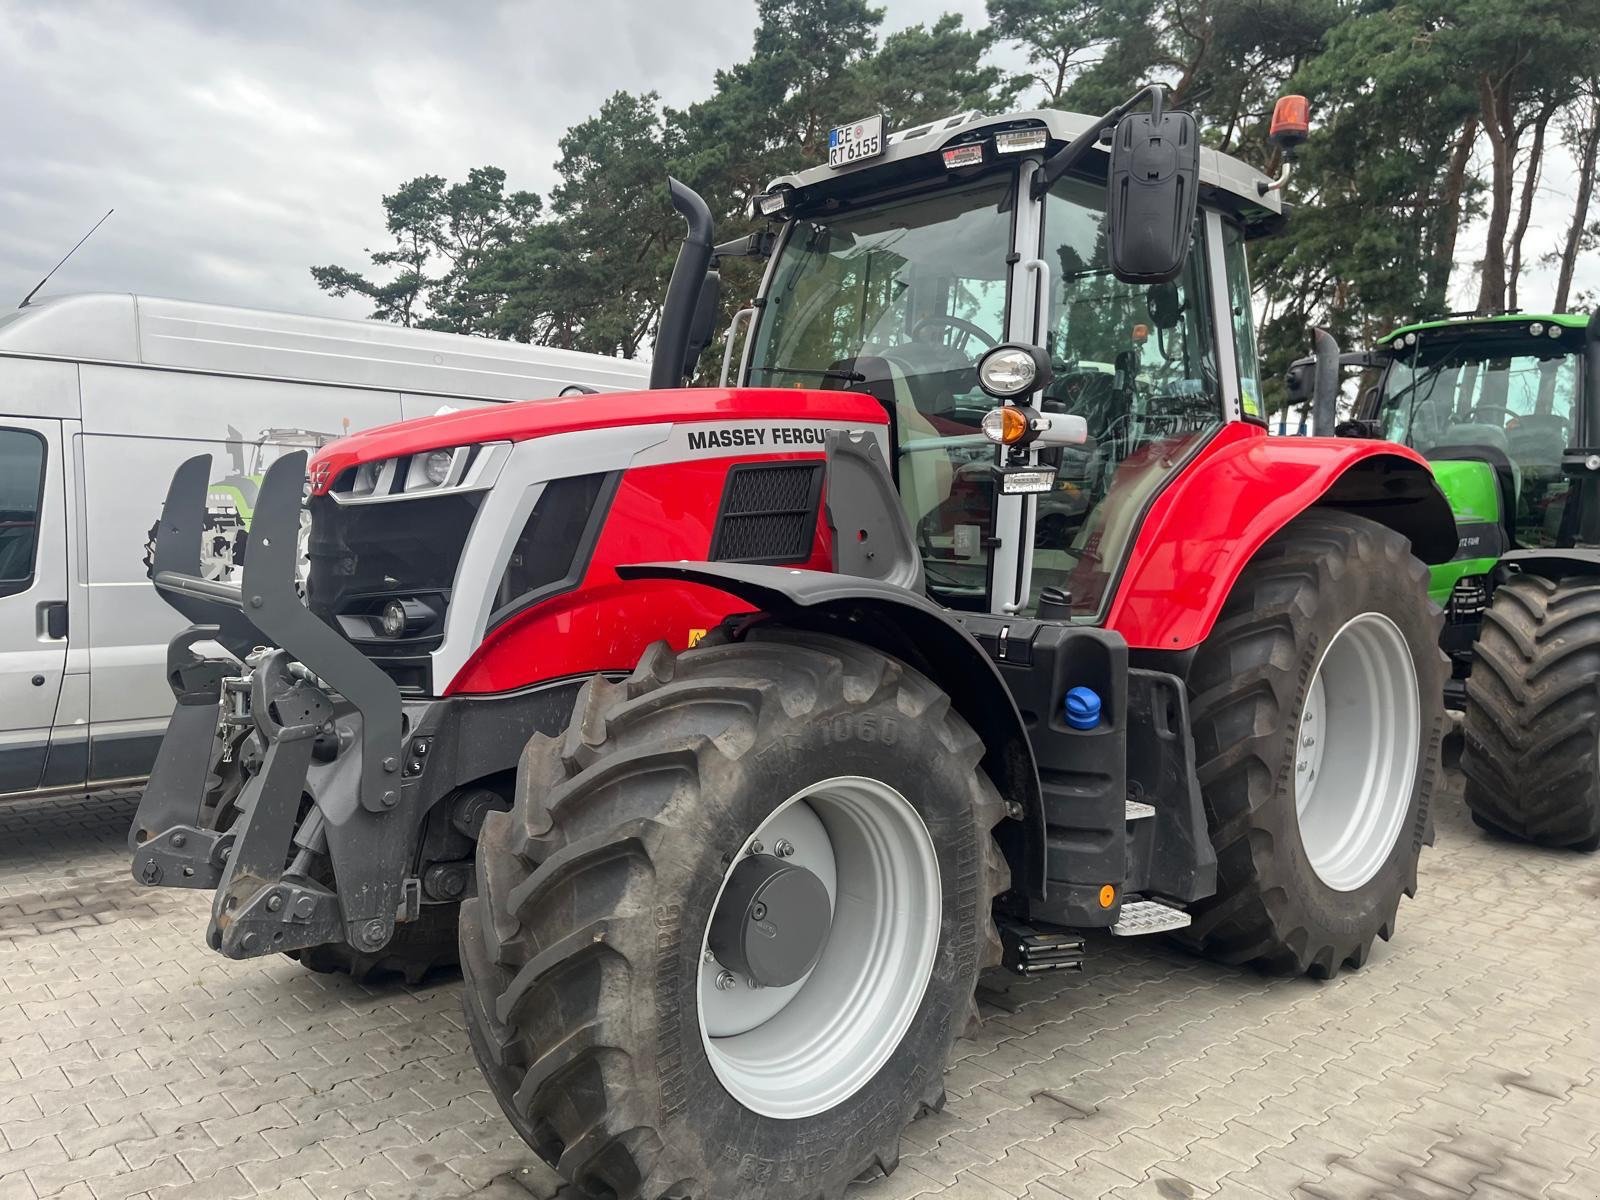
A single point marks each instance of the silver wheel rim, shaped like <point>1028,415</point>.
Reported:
<point>1356,751</point>
<point>796,1051</point>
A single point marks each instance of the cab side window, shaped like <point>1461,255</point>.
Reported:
<point>21,491</point>
<point>1244,329</point>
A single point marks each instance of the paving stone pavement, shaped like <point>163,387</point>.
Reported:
<point>1464,1060</point>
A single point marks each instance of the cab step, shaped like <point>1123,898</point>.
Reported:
<point>1030,951</point>
<point>1137,810</point>
<point>1140,917</point>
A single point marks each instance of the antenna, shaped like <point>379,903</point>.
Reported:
<point>64,258</point>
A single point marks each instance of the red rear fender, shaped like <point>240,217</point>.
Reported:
<point>1242,488</point>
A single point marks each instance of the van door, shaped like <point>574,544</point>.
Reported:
<point>33,595</point>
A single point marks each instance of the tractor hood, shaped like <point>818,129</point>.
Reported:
<point>528,419</point>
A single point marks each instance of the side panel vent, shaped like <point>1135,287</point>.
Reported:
<point>768,514</point>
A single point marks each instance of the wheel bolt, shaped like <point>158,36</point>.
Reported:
<point>755,985</point>
<point>726,981</point>
<point>785,847</point>
<point>708,958</point>
<point>758,911</point>
<point>756,847</point>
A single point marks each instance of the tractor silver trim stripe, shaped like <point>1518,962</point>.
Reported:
<point>504,511</point>
<point>688,442</point>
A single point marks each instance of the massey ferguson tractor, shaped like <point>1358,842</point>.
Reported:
<point>745,725</point>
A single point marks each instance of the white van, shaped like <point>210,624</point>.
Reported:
<point>101,397</point>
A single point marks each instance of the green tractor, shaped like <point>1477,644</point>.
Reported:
<point>1507,410</point>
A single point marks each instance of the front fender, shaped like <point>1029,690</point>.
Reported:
<point>917,631</point>
<point>1241,489</point>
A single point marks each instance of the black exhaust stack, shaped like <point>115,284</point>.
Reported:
<point>667,368</point>
<point>1325,397</point>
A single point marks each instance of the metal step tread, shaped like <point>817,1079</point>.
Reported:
<point>1137,810</point>
<point>1148,916</point>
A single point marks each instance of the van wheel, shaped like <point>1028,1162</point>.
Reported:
<point>1318,714</point>
<point>1531,738</point>
<point>729,931</point>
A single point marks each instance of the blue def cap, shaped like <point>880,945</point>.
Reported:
<point>1083,708</point>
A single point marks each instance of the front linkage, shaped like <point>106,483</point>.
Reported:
<point>294,732</point>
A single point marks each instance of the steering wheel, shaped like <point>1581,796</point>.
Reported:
<point>965,328</point>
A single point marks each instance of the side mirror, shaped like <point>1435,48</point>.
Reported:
<point>707,308</point>
<point>1152,193</point>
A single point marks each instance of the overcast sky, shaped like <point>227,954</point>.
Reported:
<point>241,143</point>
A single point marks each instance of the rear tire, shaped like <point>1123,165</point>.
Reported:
<point>1531,738</point>
<point>1331,600</point>
<point>583,951</point>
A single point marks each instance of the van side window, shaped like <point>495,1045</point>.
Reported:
<point>21,493</point>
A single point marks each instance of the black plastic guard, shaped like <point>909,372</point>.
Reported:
<point>917,631</point>
<point>1553,563</point>
<point>1170,853</point>
<point>871,537</point>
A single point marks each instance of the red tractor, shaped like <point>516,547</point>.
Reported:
<point>744,726</point>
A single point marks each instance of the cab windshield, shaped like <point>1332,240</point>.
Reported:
<point>1510,400</point>
<point>1470,391</point>
<point>902,298</point>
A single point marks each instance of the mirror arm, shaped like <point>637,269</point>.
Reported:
<point>755,245</point>
<point>1063,160</point>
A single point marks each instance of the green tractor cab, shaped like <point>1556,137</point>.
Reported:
<point>1506,409</point>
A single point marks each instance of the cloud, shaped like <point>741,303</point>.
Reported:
<point>241,143</point>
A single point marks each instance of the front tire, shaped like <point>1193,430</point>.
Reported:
<point>587,996</point>
<point>1531,737</point>
<point>1317,711</point>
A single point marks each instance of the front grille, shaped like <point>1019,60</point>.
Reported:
<point>768,514</point>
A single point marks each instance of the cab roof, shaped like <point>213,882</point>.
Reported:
<point>913,154</point>
<point>1495,323</point>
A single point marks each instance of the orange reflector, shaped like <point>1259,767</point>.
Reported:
<point>1291,120</point>
<point>1007,425</point>
<point>1108,896</point>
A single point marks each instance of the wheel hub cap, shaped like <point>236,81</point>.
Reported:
<point>772,921</point>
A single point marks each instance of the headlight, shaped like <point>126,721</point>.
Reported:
<point>436,465</point>
<point>400,618</point>
<point>394,619</point>
<point>1010,370</point>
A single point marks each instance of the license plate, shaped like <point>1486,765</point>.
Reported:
<point>856,142</point>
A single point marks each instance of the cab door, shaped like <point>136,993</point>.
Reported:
<point>33,595</point>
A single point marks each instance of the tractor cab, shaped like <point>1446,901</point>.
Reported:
<point>1500,391</point>
<point>973,262</point>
